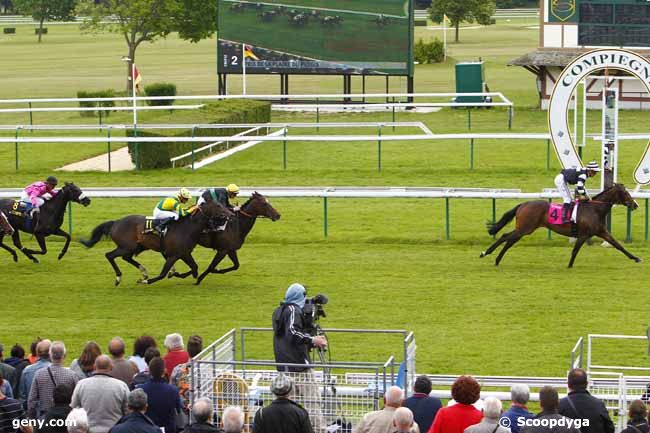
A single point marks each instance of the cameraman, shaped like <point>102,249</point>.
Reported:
<point>292,344</point>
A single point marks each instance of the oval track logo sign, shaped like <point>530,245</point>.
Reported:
<point>576,71</point>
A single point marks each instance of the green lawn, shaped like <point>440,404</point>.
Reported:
<point>385,263</point>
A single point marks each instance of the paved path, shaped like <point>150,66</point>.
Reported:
<point>120,161</point>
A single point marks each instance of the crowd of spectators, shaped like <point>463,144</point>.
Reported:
<point>149,393</point>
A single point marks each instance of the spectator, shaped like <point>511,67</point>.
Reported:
<point>144,376</point>
<point>491,414</point>
<point>164,400</point>
<point>455,419</point>
<point>11,410</point>
<point>637,422</point>
<point>139,349</point>
<point>180,377</point>
<point>41,394</point>
<point>381,421</point>
<point>579,404</point>
<point>43,351</point>
<point>17,360</point>
<point>423,407</point>
<point>176,352</point>
<point>85,364</point>
<point>33,350</point>
<point>519,395</point>
<point>232,420</point>
<point>123,369</point>
<point>283,415</point>
<point>60,410</point>
<point>548,400</point>
<point>102,396</point>
<point>8,372</point>
<point>5,387</point>
<point>202,416</point>
<point>77,421</point>
<point>136,421</point>
<point>403,420</point>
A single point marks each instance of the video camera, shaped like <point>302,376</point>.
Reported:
<point>312,312</point>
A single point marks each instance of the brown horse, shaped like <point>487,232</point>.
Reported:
<point>227,242</point>
<point>592,214</point>
<point>182,236</point>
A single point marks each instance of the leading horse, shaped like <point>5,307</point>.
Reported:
<point>228,241</point>
<point>591,221</point>
<point>178,243</point>
<point>49,221</point>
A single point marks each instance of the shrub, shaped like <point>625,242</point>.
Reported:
<point>160,89</point>
<point>157,154</point>
<point>429,52</point>
<point>42,31</point>
<point>9,30</point>
<point>420,23</point>
<point>107,93</point>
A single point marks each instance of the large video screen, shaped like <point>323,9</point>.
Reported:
<point>614,23</point>
<point>361,37</point>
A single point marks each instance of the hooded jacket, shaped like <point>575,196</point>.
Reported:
<point>291,343</point>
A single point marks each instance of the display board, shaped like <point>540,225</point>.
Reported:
<point>342,37</point>
<point>614,23</point>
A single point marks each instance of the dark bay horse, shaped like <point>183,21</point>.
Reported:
<point>5,227</point>
<point>592,214</point>
<point>227,242</point>
<point>177,244</point>
<point>49,223</point>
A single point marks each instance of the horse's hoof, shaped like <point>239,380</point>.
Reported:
<point>36,261</point>
<point>482,255</point>
<point>117,281</point>
<point>61,256</point>
<point>638,259</point>
<point>143,281</point>
<point>15,258</point>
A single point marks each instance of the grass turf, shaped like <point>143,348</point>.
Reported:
<point>385,263</point>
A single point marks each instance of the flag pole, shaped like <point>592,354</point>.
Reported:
<point>135,110</point>
<point>243,65</point>
<point>444,36</point>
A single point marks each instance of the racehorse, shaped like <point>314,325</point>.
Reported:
<point>129,235</point>
<point>232,238</point>
<point>591,221</point>
<point>5,227</point>
<point>49,222</point>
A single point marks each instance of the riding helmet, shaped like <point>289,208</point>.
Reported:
<point>52,180</point>
<point>184,193</point>
<point>593,166</point>
<point>232,189</point>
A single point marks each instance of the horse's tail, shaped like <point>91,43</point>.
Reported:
<point>493,228</point>
<point>103,229</point>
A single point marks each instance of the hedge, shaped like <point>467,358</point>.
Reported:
<point>9,30</point>
<point>160,89</point>
<point>108,93</point>
<point>157,154</point>
<point>420,23</point>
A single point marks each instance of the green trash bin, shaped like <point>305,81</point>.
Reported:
<point>470,78</point>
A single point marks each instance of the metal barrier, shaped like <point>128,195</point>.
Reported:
<point>591,367</point>
<point>323,390</point>
<point>576,355</point>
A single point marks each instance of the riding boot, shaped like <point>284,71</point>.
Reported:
<point>566,213</point>
<point>160,225</point>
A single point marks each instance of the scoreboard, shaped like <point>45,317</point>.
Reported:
<point>614,23</point>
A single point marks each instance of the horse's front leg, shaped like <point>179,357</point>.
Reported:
<point>8,248</point>
<point>576,248</point>
<point>235,263</point>
<point>213,265</point>
<point>609,238</point>
<point>166,267</point>
<point>59,232</point>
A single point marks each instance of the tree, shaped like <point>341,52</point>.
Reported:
<point>148,20</point>
<point>469,11</point>
<point>50,10</point>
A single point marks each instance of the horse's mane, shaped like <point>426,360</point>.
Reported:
<point>606,190</point>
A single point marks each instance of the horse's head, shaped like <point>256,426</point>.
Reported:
<point>620,195</point>
<point>5,226</point>
<point>259,206</point>
<point>76,194</point>
<point>212,209</point>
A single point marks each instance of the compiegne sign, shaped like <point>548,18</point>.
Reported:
<point>574,73</point>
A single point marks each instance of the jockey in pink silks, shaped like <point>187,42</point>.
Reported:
<point>38,192</point>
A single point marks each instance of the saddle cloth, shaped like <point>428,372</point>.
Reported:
<point>21,208</point>
<point>151,225</point>
<point>555,213</point>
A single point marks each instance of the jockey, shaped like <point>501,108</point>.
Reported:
<point>223,197</point>
<point>577,177</point>
<point>172,208</point>
<point>36,193</point>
